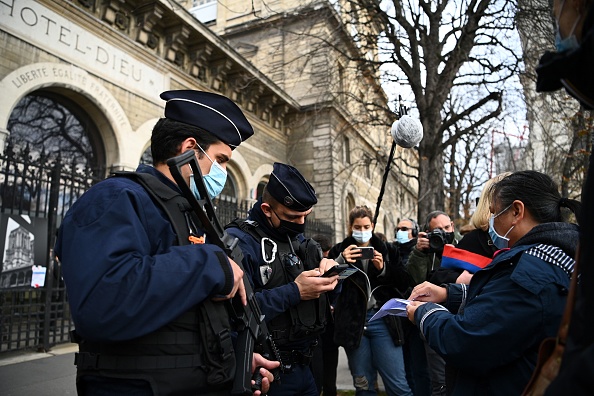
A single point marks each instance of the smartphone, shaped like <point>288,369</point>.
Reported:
<point>366,252</point>
<point>342,270</point>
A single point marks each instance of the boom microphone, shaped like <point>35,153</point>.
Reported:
<point>407,131</point>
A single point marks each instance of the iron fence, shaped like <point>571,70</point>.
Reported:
<point>36,190</point>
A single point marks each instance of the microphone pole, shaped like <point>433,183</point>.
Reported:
<point>401,111</point>
<point>384,180</point>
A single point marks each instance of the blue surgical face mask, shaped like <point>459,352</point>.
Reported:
<point>214,181</point>
<point>500,242</point>
<point>362,236</point>
<point>402,237</point>
<point>570,42</point>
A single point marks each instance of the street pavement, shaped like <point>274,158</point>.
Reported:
<point>53,373</point>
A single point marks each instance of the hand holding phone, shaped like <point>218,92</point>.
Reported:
<point>342,270</point>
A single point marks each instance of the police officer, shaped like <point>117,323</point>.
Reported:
<point>285,269</point>
<point>144,300</point>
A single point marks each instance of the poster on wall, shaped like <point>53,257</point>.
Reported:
<point>23,245</point>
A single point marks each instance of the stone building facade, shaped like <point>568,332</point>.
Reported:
<point>109,60</point>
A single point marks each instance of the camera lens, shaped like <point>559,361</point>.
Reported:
<point>437,240</point>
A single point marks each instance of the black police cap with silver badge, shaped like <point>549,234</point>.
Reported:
<point>214,113</point>
<point>290,188</point>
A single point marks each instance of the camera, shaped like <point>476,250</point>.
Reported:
<point>438,238</point>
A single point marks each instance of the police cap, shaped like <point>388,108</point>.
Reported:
<point>214,113</point>
<point>290,188</point>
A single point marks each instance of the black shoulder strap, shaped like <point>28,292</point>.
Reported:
<point>249,226</point>
<point>172,202</point>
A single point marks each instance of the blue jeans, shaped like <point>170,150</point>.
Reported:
<point>377,353</point>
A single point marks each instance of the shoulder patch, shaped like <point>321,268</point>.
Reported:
<point>553,255</point>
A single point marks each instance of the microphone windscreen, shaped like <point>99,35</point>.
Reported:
<point>407,131</point>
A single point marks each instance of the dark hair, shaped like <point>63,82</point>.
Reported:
<point>538,192</point>
<point>359,212</point>
<point>433,215</point>
<point>324,241</point>
<point>269,199</point>
<point>168,135</point>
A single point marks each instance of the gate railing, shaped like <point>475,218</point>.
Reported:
<point>35,188</point>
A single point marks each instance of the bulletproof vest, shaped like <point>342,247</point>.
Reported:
<point>308,318</point>
<point>190,354</point>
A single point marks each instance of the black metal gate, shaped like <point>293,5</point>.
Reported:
<point>35,193</point>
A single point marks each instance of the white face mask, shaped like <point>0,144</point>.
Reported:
<point>500,242</point>
<point>402,236</point>
<point>362,236</point>
<point>214,181</point>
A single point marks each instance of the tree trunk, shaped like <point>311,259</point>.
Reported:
<point>431,194</point>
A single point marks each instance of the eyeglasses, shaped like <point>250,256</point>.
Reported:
<point>291,259</point>
<point>403,228</point>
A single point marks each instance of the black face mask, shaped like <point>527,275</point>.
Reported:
<point>289,228</point>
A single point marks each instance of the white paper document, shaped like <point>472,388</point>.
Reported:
<point>395,306</point>
<point>38,276</point>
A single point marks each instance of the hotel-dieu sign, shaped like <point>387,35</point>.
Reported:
<point>51,32</point>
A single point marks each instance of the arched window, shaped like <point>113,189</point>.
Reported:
<point>260,189</point>
<point>349,204</point>
<point>51,124</point>
<point>43,127</point>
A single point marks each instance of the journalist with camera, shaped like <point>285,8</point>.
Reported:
<point>425,257</point>
<point>424,263</point>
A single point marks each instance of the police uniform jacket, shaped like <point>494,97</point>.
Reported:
<point>277,300</point>
<point>490,330</point>
<point>125,275</point>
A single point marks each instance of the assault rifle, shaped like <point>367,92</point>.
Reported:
<point>248,319</point>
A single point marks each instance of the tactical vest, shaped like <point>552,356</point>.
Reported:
<point>308,318</point>
<point>187,356</point>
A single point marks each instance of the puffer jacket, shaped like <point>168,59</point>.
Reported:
<point>490,330</point>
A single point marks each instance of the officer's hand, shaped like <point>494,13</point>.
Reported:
<point>422,242</point>
<point>267,377</point>
<point>326,264</point>
<point>427,291</point>
<point>311,284</point>
<point>351,253</point>
<point>238,285</point>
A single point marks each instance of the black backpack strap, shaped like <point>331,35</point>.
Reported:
<point>172,202</point>
<point>248,226</point>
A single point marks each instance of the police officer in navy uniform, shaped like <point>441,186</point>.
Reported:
<point>144,303</point>
<point>285,270</point>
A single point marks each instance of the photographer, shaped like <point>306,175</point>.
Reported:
<point>424,264</point>
<point>425,259</point>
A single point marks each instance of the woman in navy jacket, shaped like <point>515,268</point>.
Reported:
<point>490,330</point>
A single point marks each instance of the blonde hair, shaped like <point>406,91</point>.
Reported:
<point>480,217</point>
